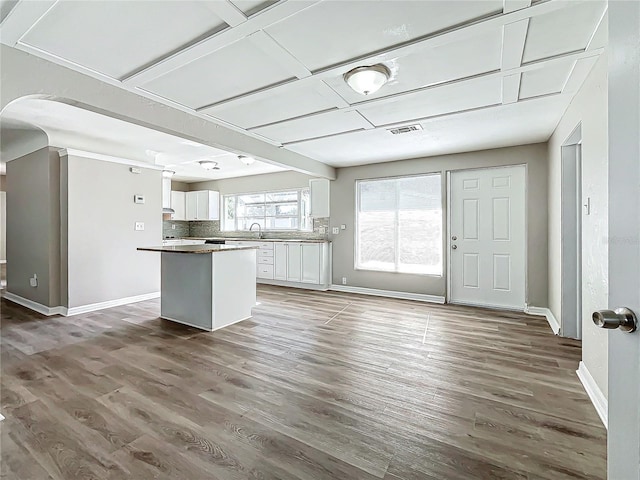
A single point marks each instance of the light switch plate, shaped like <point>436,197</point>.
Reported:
<point>336,230</point>
<point>139,226</point>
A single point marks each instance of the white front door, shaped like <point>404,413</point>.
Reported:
<point>487,237</point>
<point>624,238</point>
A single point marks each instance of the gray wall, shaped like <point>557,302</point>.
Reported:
<point>343,212</point>
<point>3,183</point>
<point>32,221</point>
<point>102,261</point>
<point>588,109</point>
<point>179,186</point>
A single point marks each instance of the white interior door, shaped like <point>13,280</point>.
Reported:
<point>487,237</point>
<point>624,237</point>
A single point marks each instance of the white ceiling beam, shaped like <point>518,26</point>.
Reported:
<point>513,5</point>
<point>443,38</point>
<point>216,42</point>
<point>514,37</point>
<point>227,11</point>
<point>267,45</point>
<point>511,88</point>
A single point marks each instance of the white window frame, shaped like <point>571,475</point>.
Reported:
<point>301,214</point>
<point>356,245</point>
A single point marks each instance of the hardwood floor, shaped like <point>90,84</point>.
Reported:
<point>317,385</point>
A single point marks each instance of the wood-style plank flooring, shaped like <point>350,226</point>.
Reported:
<point>317,385</point>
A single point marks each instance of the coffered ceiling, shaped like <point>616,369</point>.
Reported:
<point>473,74</point>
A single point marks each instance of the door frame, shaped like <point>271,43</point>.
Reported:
<point>571,240</point>
<point>447,256</point>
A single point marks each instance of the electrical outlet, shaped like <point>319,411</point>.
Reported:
<point>344,280</point>
<point>173,227</point>
<point>322,230</point>
<point>33,281</point>
<point>336,230</point>
<point>343,227</point>
<point>139,226</point>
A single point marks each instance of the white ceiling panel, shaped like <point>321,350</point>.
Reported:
<point>564,30</point>
<point>471,56</point>
<point>466,95</point>
<point>477,130</point>
<point>251,7</point>
<point>323,124</point>
<point>231,71</point>
<point>118,37</point>
<point>333,32</point>
<point>543,81</point>
<point>287,101</point>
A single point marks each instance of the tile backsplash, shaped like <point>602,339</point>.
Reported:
<point>212,229</point>
<point>181,228</point>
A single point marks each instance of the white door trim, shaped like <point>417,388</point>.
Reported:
<point>447,256</point>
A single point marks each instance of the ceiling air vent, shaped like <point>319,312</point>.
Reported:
<point>405,129</point>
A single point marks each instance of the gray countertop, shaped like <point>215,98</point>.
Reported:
<point>244,239</point>
<point>195,248</point>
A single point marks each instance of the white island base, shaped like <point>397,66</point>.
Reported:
<point>208,290</point>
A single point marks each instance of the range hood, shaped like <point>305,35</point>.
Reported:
<point>166,192</point>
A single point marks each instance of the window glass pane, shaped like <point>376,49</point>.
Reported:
<point>400,225</point>
<point>376,241</point>
<point>377,195</point>
<point>291,196</point>
<point>287,209</point>
<point>254,210</point>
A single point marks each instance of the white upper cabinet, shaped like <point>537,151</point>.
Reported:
<point>319,188</point>
<point>178,203</point>
<point>203,205</point>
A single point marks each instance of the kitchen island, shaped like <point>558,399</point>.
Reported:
<point>207,286</point>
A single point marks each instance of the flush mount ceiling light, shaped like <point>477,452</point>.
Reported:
<point>168,173</point>
<point>246,160</point>
<point>209,165</point>
<point>367,79</point>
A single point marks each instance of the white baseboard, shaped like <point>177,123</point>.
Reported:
<point>544,312</point>
<point>36,307</point>
<point>92,307</point>
<point>421,297</point>
<point>595,394</point>
<point>67,312</point>
<point>283,283</point>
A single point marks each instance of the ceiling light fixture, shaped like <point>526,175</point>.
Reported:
<point>246,160</point>
<point>367,79</point>
<point>209,165</point>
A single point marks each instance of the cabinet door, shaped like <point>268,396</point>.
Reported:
<point>178,204</point>
<point>310,262</point>
<point>214,206</point>
<point>202,205</point>
<point>280,261</point>
<point>320,193</point>
<point>192,205</point>
<point>294,264</point>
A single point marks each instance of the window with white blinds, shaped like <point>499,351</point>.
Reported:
<point>399,225</point>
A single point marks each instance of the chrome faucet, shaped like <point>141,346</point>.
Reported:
<point>259,229</point>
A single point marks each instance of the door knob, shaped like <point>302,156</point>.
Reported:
<point>621,318</point>
<point>454,238</point>
<point>454,247</point>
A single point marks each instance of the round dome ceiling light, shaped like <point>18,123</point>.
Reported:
<point>209,165</point>
<point>246,160</point>
<point>367,79</point>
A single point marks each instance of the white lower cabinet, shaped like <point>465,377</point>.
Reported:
<point>294,263</point>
